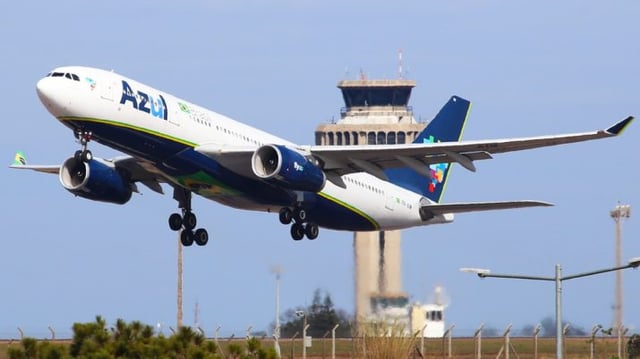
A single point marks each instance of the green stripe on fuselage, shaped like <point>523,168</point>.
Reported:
<point>206,186</point>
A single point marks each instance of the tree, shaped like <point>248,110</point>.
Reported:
<point>321,317</point>
<point>633,346</point>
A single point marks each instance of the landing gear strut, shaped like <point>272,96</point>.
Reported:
<point>187,221</point>
<point>83,155</point>
<point>300,227</point>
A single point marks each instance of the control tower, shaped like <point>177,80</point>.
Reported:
<point>375,112</point>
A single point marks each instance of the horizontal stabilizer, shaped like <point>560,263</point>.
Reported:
<point>436,209</point>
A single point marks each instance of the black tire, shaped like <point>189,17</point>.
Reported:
<point>297,231</point>
<point>300,215</point>
<point>285,215</point>
<point>201,236</point>
<point>87,156</point>
<point>312,231</point>
<point>189,221</point>
<point>186,238</point>
<point>175,222</point>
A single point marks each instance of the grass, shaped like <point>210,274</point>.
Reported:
<point>433,348</point>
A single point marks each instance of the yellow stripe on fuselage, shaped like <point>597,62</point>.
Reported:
<point>351,208</point>
<point>126,125</point>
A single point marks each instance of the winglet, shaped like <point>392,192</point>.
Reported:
<point>19,159</point>
<point>620,126</point>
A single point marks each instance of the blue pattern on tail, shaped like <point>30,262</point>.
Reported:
<point>447,126</point>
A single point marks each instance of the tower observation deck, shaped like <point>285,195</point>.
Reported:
<point>371,115</point>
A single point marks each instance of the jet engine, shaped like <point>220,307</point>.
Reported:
<point>95,180</point>
<point>287,167</point>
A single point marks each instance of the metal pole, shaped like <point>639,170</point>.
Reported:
<point>620,329</point>
<point>333,341</point>
<point>276,334</point>
<point>536,331</point>
<point>558,280</point>
<point>179,294</point>
<point>507,343</point>
<point>450,332</point>
<point>594,331</point>
<point>422,340</point>
<point>618,213</point>
<point>304,338</point>
<point>478,336</point>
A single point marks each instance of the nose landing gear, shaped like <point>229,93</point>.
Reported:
<point>83,155</point>
<point>187,221</point>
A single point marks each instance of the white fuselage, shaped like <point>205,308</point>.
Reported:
<point>161,121</point>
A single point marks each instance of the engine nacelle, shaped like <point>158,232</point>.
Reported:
<point>288,168</point>
<point>95,180</point>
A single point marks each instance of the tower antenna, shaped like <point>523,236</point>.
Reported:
<point>400,63</point>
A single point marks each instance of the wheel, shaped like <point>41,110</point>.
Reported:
<point>311,230</point>
<point>297,231</point>
<point>186,238</point>
<point>286,216</point>
<point>86,156</point>
<point>189,220</point>
<point>300,214</point>
<point>201,236</point>
<point>175,222</point>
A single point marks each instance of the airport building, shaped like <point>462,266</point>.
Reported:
<point>378,112</point>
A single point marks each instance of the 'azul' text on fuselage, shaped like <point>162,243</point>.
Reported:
<point>144,102</point>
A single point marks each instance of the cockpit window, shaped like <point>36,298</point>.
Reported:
<point>68,75</point>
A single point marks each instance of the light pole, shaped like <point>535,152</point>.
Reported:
<point>558,279</point>
<point>276,333</point>
<point>618,213</point>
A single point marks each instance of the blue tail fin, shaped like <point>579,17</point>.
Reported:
<point>447,126</point>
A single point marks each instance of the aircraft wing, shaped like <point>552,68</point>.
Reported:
<point>137,171</point>
<point>375,158</point>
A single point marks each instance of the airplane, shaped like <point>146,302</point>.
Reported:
<point>168,140</point>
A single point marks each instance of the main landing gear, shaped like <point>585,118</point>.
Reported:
<point>300,226</point>
<point>186,222</point>
<point>83,155</point>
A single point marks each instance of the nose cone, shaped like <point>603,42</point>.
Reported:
<point>52,95</point>
<point>44,89</point>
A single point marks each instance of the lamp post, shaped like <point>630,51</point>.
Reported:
<point>276,332</point>
<point>558,279</point>
<point>618,213</point>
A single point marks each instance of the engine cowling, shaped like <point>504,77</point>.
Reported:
<point>289,168</point>
<point>95,180</point>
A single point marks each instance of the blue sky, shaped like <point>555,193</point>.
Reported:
<point>529,69</point>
